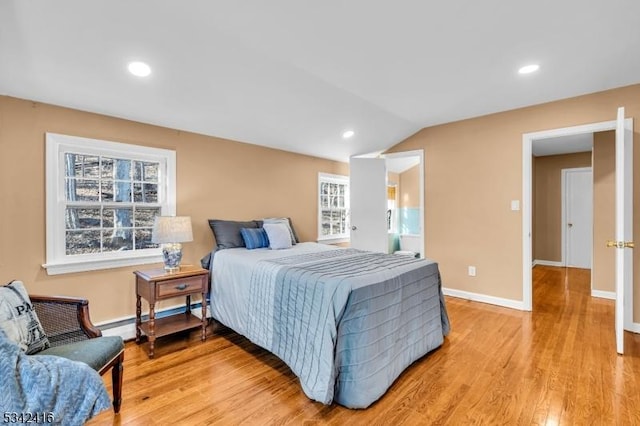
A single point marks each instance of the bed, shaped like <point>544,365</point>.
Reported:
<point>347,322</point>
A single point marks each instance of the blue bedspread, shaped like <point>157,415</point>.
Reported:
<point>347,322</point>
<point>35,385</point>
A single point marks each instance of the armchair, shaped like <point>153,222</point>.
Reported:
<point>71,335</point>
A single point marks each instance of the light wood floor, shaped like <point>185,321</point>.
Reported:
<point>555,366</point>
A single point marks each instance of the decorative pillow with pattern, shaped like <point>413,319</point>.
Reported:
<point>18,318</point>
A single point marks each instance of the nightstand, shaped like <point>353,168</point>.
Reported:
<point>156,284</point>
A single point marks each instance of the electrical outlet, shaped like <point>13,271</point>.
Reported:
<point>472,271</point>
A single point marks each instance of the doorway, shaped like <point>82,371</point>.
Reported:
<point>538,139</point>
<point>542,139</point>
<point>405,173</point>
<point>623,236</point>
<point>370,200</point>
<point>551,160</point>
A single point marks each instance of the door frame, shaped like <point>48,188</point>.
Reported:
<point>527,194</point>
<point>563,221</point>
<point>415,153</point>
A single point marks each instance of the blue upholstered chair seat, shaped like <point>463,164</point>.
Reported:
<point>96,352</point>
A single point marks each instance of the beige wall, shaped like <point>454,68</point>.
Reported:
<point>474,169</point>
<point>410,188</point>
<point>547,202</point>
<point>604,167</point>
<point>216,178</point>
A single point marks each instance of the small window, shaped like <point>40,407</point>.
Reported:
<point>102,198</point>
<point>333,208</point>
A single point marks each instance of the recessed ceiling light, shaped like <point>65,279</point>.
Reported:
<point>139,69</point>
<point>528,69</point>
<point>348,133</point>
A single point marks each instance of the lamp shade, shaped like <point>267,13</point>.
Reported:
<point>171,229</point>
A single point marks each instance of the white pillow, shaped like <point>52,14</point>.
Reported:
<point>18,319</point>
<point>286,221</point>
<point>279,235</point>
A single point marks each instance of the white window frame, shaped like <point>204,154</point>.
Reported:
<point>57,145</point>
<point>336,238</point>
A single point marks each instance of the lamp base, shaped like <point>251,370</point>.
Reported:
<point>172,256</point>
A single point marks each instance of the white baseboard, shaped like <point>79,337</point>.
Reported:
<point>198,311</point>
<point>634,328</point>
<point>127,331</point>
<point>547,263</point>
<point>492,300</point>
<point>603,294</point>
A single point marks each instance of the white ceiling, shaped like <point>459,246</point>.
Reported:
<point>562,145</point>
<point>401,164</point>
<point>294,74</point>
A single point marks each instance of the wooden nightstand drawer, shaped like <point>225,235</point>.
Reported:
<point>178,287</point>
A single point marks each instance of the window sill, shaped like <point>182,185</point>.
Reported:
<point>68,267</point>
<point>333,240</point>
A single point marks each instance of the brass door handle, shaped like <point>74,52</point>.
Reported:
<point>621,244</point>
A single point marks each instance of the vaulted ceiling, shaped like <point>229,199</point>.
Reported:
<point>294,74</point>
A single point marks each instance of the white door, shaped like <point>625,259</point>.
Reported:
<point>368,189</point>
<point>624,224</point>
<point>578,219</point>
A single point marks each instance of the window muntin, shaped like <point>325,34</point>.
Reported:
<point>333,210</point>
<point>102,198</point>
<point>110,203</point>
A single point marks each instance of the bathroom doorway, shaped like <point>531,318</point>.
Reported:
<point>373,226</point>
<point>405,203</point>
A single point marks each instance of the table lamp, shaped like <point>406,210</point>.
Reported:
<point>171,232</point>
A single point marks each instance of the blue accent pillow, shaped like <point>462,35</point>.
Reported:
<point>254,238</point>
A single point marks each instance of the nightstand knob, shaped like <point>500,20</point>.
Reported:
<point>181,287</point>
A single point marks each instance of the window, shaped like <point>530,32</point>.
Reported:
<point>102,198</point>
<point>333,211</point>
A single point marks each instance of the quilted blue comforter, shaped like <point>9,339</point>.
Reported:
<point>347,322</point>
<point>48,389</point>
